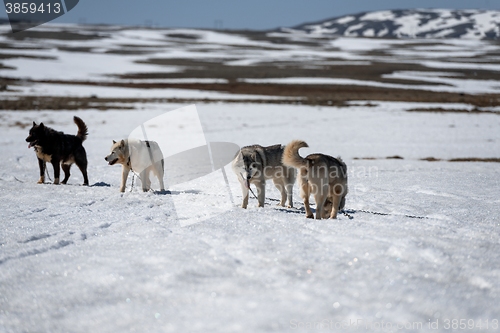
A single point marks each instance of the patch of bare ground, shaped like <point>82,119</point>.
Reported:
<point>9,46</point>
<point>326,95</point>
<point>57,35</point>
<point>264,37</point>
<point>395,157</point>
<point>14,55</point>
<point>62,103</point>
<point>463,159</point>
<point>28,103</point>
<point>475,159</point>
<point>441,110</point>
<point>200,68</point>
<point>433,159</point>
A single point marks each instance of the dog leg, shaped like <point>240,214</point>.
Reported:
<point>159,174</point>
<point>320,197</point>
<point>66,168</point>
<point>125,171</point>
<point>280,185</point>
<point>338,202</point>
<point>289,193</point>
<point>261,192</point>
<point>289,181</point>
<point>82,165</point>
<point>327,208</point>
<point>320,202</point>
<point>57,171</point>
<point>144,175</point>
<point>245,192</point>
<point>305,193</point>
<point>41,165</point>
<point>335,206</point>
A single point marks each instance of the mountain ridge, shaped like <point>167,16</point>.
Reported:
<point>408,23</point>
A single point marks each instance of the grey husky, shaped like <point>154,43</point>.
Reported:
<point>255,164</point>
<point>321,175</point>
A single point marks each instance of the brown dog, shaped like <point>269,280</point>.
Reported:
<point>321,175</point>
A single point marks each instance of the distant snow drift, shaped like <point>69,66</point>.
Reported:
<point>410,23</point>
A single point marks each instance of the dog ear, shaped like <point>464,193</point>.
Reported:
<point>239,157</point>
<point>114,141</point>
<point>122,143</point>
<point>41,125</point>
<point>34,124</point>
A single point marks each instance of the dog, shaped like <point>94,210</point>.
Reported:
<point>321,175</point>
<point>140,157</point>
<point>255,164</point>
<point>61,150</point>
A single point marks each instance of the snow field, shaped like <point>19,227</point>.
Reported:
<point>83,259</point>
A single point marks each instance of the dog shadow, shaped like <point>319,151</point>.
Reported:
<point>100,184</point>
<point>169,192</point>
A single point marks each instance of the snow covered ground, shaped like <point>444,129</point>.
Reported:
<point>423,245</point>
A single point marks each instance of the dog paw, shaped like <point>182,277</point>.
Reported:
<point>311,216</point>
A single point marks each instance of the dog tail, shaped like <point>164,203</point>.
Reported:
<point>83,131</point>
<point>291,155</point>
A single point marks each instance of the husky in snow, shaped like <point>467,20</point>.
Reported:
<point>61,150</point>
<point>140,157</point>
<point>321,175</point>
<point>255,164</point>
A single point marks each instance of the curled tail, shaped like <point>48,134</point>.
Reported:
<point>83,131</point>
<point>291,155</point>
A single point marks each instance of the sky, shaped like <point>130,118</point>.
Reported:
<point>240,14</point>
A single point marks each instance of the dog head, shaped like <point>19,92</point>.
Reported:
<point>246,167</point>
<point>118,153</point>
<point>36,133</point>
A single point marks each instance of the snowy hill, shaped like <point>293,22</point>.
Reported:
<point>410,23</point>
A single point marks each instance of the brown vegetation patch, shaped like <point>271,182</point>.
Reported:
<point>431,159</point>
<point>59,103</point>
<point>13,56</point>
<point>441,110</point>
<point>58,35</point>
<point>183,36</point>
<point>325,95</point>
<point>28,103</point>
<point>475,159</point>
<point>463,159</point>
<point>395,157</point>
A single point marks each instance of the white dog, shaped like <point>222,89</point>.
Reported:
<point>140,157</point>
